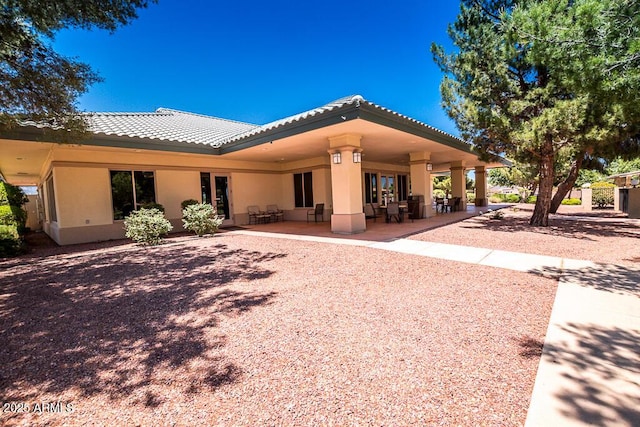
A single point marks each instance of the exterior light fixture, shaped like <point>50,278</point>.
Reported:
<point>429,167</point>
<point>337,158</point>
<point>357,157</point>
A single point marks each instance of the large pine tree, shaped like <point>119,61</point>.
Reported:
<point>543,80</point>
<point>36,83</point>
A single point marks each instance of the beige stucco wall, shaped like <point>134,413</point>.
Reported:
<point>83,196</point>
<point>33,220</point>
<point>259,189</point>
<point>174,186</point>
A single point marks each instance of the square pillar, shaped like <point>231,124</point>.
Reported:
<point>481,186</point>
<point>346,185</point>
<point>421,183</point>
<point>458,183</point>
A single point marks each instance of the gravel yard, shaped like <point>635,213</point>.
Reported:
<point>600,237</point>
<point>245,330</point>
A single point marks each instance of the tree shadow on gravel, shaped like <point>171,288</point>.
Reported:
<point>567,228</point>
<point>599,354</point>
<point>604,277</point>
<point>119,322</point>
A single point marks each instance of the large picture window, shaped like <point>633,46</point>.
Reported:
<point>303,188</point>
<point>130,190</point>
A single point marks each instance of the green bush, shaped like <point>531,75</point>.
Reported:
<point>12,195</point>
<point>504,198</point>
<point>153,205</point>
<point>571,202</point>
<point>146,226</point>
<point>10,242</point>
<point>201,219</point>
<point>13,215</point>
<point>471,197</point>
<point>438,193</point>
<point>189,202</point>
<point>602,194</point>
<point>532,199</point>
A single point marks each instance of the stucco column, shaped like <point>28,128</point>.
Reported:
<point>458,183</point>
<point>481,186</point>
<point>346,186</point>
<point>421,183</point>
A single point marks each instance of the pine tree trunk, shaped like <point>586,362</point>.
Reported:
<point>540,215</point>
<point>566,185</point>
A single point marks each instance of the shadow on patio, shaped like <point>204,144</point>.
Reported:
<point>118,321</point>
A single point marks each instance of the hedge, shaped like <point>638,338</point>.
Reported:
<point>13,215</point>
<point>10,242</point>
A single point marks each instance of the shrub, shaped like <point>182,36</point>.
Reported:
<point>146,226</point>
<point>504,198</point>
<point>12,195</point>
<point>532,199</point>
<point>571,202</point>
<point>13,215</point>
<point>201,219</point>
<point>10,242</point>
<point>602,194</point>
<point>153,205</point>
<point>471,197</point>
<point>439,193</point>
<point>189,202</point>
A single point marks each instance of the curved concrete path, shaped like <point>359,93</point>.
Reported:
<point>589,372</point>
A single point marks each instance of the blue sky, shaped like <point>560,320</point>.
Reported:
<point>258,61</point>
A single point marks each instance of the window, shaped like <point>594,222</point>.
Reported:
<point>371,187</point>
<point>403,188</point>
<point>205,185</point>
<point>51,201</point>
<point>131,190</point>
<point>387,188</point>
<point>303,189</point>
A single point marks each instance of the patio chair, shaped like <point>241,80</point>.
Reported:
<point>256,215</point>
<point>393,211</point>
<point>275,213</point>
<point>319,210</point>
<point>370,212</point>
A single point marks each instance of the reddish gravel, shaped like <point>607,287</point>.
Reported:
<point>600,237</point>
<point>243,330</point>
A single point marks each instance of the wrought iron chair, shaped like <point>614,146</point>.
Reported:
<point>256,215</point>
<point>275,213</point>
<point>319,210</point>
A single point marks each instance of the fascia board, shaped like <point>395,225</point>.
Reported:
<point>334,117</point>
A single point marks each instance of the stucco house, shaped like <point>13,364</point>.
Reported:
<point>344,154</point>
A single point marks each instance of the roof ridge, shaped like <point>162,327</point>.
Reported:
<point>165,110</point>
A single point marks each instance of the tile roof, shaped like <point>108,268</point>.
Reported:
<point>178,126</point>
<point>167,125</point>
<point>356,100</point>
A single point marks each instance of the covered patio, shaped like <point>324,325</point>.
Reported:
<point>377,231</point>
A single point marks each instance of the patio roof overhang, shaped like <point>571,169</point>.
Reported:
<point>386,137</point>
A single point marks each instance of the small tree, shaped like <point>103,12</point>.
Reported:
<point>201,219</point>
<point>146,226</point>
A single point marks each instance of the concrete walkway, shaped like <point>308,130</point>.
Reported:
<point>589,372</point>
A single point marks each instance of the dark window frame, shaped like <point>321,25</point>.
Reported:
<point>303,189</point>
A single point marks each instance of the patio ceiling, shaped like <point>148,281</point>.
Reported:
<point>21,162</point>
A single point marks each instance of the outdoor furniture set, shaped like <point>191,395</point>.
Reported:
<point>273,213</point>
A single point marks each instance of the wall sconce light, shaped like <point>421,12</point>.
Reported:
<point>357,157</point>
<point>337,158</point>
<point>429,167</point>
